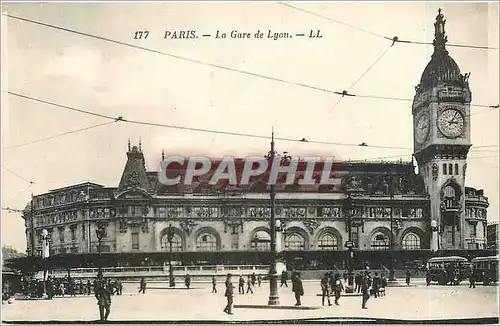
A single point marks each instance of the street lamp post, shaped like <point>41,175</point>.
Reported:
<point>348,212</point>
<point>170,238</point>
<point>45,255</point>
<point>273,274</point>
<point>392,276</point>
<point>100,233</point>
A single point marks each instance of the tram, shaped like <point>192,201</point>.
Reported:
<point>485,269</point>
<point>445,270</point>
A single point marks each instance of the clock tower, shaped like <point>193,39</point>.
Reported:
<point>441,141</point>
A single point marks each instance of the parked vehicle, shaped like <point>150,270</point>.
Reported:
<point>485,269</point>
<point>445,270</point>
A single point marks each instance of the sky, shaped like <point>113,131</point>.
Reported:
<point>115,80</point>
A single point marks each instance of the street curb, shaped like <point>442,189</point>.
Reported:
<point>254,306</point>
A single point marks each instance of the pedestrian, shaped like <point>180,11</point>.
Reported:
<point>357,282</point>
<point>103,301</point>
<point>249,285</point>
<point>142,286</point>
<point>229,295</point>
<point>376,285</point>
<point>472,281</point>
<point>337,288</point>
<point>62,289</point>
<point>214,284</point>
<point>325,289</point>
<point>259,280</point>
<point>241,285</point>
<point>187,281</point>
<point>408,276</point>
<point>284,278</point>
<point>89,287</point>
<point>297,288</point>
<point>365,286</point>
<point>428,277</point>
<point>119,287</point>
<point>254,279</point>
<point>50,288</point>
<point>383,284</point>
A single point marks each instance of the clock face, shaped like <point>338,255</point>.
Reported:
<point>422,128</point>
<point>451,123</point>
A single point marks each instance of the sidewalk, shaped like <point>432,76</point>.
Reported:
<point>200,305</point>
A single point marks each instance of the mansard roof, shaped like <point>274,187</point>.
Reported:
<point>368,177</point>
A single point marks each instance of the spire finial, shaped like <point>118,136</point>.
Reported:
<point>162,154</point>
<point>440,37</point>
<point>129,144</point>
<point>140,145</point>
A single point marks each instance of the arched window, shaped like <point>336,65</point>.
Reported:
<point>449,196</point>
<point>206,242</point>
<point>176,242</point>
<point>295,241</point>
<point>456,169</point>
<point>411,241</point>
<point>379,241</point>
<point>450,169</point>
<point>261,241</point>
<point>328,241</point>
<point>444,168</point>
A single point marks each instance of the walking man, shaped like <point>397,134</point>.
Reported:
<point>376,285</point>
<point>325,290</point>
<point>284,278</point>
<point>142,286</point>
<point>357,282</point>
<point>365,285</point>
<point>229,295</point>
<point>297,288</point>
<point>187,281</point>
<point>214,284</point>
<point>337,288</point>
<point>249,285</point>
<point>241,285</point>
<point>408,276</point>
<point>259,280</point>
<point>103,301</point>
<point>472,281</point>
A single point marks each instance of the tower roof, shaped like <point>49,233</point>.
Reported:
<point>441,68</point>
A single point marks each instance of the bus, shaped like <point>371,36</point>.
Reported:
<point>451,269</point>
<point>485,269</point>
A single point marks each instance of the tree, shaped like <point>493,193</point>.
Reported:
<point>8,252</point>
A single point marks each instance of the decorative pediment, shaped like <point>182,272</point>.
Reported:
<point>134,193</point>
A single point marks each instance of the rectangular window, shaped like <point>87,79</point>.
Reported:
<point>84,231</point>
<point>73,232</point>
<point>61,234</point>
<point>107,213</point>
<point>132,210</point>
<point>473,229</point>
<point>135,238</point>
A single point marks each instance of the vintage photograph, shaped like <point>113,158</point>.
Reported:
<point>250,162</point>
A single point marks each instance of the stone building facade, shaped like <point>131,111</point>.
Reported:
<point>392,206</point>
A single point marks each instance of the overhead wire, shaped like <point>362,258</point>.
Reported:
<point>19,194</point>
<point>262,76</point>
<point>346,92</point>
<point>59,135</point>
<point>205,130</point>
<point>17,175</point>
<point>394,39</point>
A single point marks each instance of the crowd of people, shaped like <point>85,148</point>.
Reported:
<point>65,286</point>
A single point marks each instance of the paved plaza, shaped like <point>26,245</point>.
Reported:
<point>199,304</point>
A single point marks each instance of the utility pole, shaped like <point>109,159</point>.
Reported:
<point>32,222</point>
<point>273,277</point>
